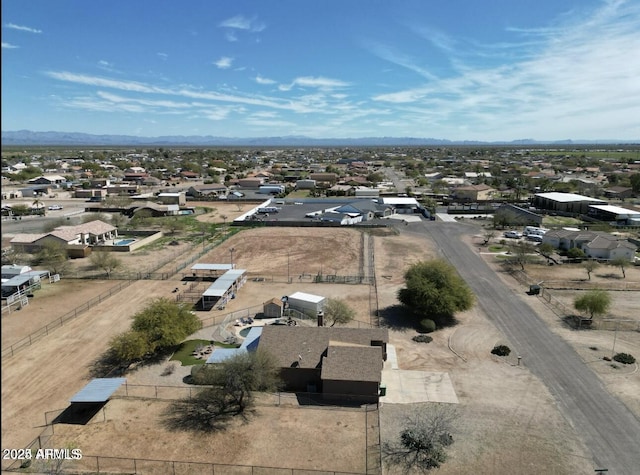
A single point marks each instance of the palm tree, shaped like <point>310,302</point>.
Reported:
<point>38,205</point>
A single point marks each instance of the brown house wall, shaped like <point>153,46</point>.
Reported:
<point>367,391</point>
<point>297,379</point>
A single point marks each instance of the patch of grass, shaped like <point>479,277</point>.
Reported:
<point>497,248</point>
<point>298,194</point>
<point>183,353</point>
<point>560,221</point>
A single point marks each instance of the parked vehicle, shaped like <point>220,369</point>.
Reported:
<point>513,234</point>
<point>55,207</point>
<point>534,237</point>
<point>534,230</point>
<point>268,209</point>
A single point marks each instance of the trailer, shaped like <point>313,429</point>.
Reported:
<point>271,189</point>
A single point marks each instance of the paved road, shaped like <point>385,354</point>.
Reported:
<point>609,429</point>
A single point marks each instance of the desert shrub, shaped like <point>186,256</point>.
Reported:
<point>427,326</point>
<point>422,339</point>
<point>624,358</point>
<point>501,350</point>
<point>575,253</point>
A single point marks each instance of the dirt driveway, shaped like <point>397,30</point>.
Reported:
<point>509,422</point>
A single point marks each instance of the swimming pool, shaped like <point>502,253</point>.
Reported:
<point>124,242</point>
<point>245,331</point>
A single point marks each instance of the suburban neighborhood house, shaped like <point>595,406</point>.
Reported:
<point>595,244</point>
<point>328,360</point>
<point>336,362</point>
<point>87,234</point>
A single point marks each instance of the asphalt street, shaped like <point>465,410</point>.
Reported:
<point>608,428</point>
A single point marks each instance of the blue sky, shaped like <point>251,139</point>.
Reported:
<point>457,69</point>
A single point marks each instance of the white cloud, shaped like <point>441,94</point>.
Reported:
<point>241,22</point>
<point>261,80</point>
<point>105,65</point>
<point>391,55</point>
<point>22,28</point>
<point>317,82</point>
<point>162,56</point>
<point>8,46</point>
<point>224,62</point>
<point>573,76</point>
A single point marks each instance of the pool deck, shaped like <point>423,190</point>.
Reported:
<point>257,322</point>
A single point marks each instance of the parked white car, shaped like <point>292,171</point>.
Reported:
<point>513,234</point>
<point>55,207</point>
<point>534,238</point>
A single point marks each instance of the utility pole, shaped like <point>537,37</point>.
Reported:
<point>615,336</point>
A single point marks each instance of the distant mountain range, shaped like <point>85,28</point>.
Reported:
<point>28,137</point>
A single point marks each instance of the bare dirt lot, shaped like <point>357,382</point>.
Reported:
<point>509,423</point>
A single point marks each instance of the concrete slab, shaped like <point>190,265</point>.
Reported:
<point>409,218</point>
<point>406,386</point>
<point>446,217</point>
<point>392,358</point>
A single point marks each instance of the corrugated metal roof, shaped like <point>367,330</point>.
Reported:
<point>98,390</point>
<point>304,297</point>
<point>224,283</point>
<point>567,197</point>
<point>205,266</point>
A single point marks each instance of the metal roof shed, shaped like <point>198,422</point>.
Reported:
<point>98,390</point>
<point>223,288</point>
<point>205,266</point>
<point>306,303</point>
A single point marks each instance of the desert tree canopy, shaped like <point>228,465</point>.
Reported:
<point>594,302</point>
<point>434,289</point>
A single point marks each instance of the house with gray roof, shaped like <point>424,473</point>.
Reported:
<point>595,244</point>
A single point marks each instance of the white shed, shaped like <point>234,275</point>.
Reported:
<point>306,303</point>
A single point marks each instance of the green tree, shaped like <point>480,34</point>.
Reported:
<point>488,235</point>
<point>166,323</point>
<point>423,440</point>
<point>118,220</point>
<point>130,346</point>
<point>545,249</point>
<point>575,253</point>
<point>105,261</point>
<point>634,180</point>
<point>620,262</point>
<point>337,311</point>
<point>521,253</point>
<point>53,256</point>
<point>53,224</point>
<point>433,289</point>
<point>231,392</point>
<point>173,224</point>
<point>594,302</point>
<point>590,266</point>
<point>117,201</point>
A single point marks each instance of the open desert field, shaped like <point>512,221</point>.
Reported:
<point>509,422</point>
